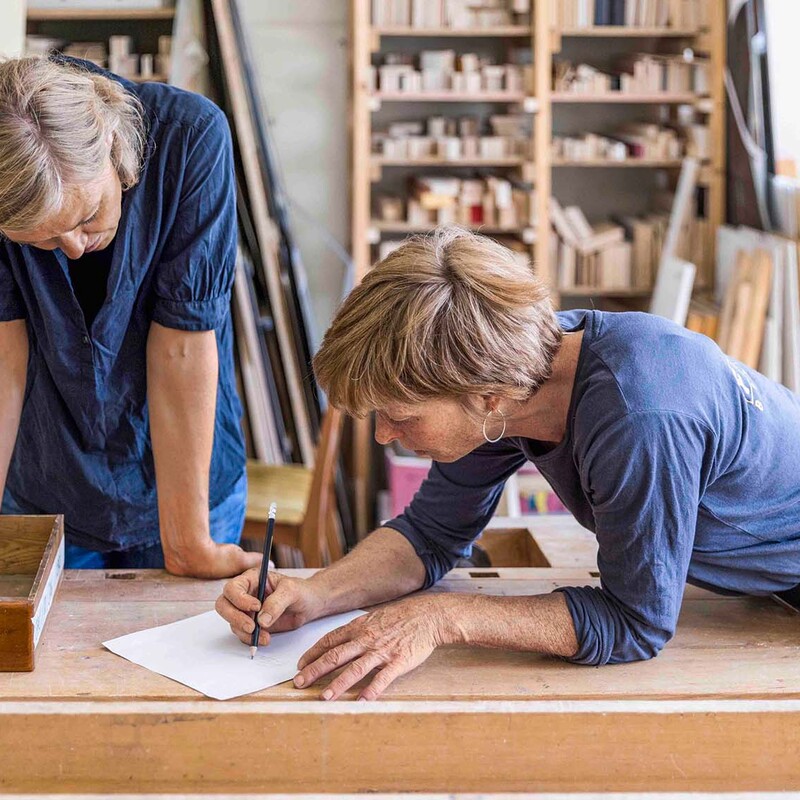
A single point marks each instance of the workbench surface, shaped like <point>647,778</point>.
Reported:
<point>719,709</point>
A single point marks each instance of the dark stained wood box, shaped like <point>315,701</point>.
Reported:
<point>31,567</point>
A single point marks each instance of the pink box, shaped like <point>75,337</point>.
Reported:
<point>405,474</point>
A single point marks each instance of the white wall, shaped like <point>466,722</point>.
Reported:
<point>300,49</point>
<point>12,27</point>
<point>783,34</point>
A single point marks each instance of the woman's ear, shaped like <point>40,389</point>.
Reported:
<point>489,402</point>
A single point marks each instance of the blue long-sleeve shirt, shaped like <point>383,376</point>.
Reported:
<point>682,461</point>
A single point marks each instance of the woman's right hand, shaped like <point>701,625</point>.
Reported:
<point>289,604</point>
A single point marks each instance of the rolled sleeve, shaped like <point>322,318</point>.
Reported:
<point>646,476</point>
<point>453,506</point>
<point>195,274</point>
<point>11,304</point>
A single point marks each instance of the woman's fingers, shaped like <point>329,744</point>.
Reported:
<point>328,642</point>
<point>329,661</point>
<point>358,670</point>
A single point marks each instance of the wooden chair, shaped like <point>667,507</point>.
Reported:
<point>306,500</point>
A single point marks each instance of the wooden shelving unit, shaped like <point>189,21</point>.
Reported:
<point>539,99</point>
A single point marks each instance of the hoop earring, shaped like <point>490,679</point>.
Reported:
<point>502,432</point>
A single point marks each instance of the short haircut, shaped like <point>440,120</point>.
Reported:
<point>448,315</point>
<point>55,122</point>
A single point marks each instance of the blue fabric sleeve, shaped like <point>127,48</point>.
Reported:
<point>11,304</point>
<point>454,504</point>
<point>645,475</point>
<point>195,274</point>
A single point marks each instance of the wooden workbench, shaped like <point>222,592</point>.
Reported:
<point>718,710</point>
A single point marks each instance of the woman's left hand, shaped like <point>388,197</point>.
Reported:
<point>393,639</point>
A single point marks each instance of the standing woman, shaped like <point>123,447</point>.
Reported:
<point>118,405</point>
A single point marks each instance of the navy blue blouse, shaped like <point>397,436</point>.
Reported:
<point>84,447</point>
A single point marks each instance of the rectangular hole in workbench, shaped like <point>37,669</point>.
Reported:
<point>512,547</point>
<point>484,574</point>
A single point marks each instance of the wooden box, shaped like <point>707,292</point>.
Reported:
<point>31,566</point>
<point>512,547</point>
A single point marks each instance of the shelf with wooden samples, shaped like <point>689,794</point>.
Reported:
<point>119,39</point>
<point>690,53</point>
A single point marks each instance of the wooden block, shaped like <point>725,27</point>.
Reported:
<point>761,279</point>
<point>741,319</point>
<point>729,302</point>
<point>31,566</point>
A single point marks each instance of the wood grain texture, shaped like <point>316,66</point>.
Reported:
<point>534,746</point>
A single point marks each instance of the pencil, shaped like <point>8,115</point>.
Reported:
<point>262,576</point>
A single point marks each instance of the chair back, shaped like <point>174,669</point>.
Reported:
<point>319,534</point>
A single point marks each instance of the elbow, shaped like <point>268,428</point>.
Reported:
<point>619,647</point>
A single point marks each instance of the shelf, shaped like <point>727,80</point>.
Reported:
<point>593,291</point>
<point>115,14</point>
<point>514,161</point>
<point>625,32</point>
<point>478,33</point>
<point>631,163</point>
<point>151,79</point>
<point>405,227</point>
<point>449,97</point>
<point>619,97</point>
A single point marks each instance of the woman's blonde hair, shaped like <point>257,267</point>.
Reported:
<point>447,315</point>
<point>55,120</point>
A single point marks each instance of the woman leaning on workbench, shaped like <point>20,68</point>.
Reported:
<point>682,461</point>
<point>117,215</point>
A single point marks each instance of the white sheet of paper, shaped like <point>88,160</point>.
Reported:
<point>202,653</point>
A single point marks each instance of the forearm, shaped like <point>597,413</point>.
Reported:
<point>539,623</point>
<point>383,567</point>
<point>182,382</point>
<point>14,370</point>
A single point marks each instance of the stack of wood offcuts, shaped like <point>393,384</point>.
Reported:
<point>758,321</point>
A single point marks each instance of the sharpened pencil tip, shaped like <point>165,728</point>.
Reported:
<point>253,652</point>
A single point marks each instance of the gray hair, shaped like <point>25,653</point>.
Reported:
<point>55,121</point>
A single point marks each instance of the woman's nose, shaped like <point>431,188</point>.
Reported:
<point>383,432</point>
<point>73,244</point>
